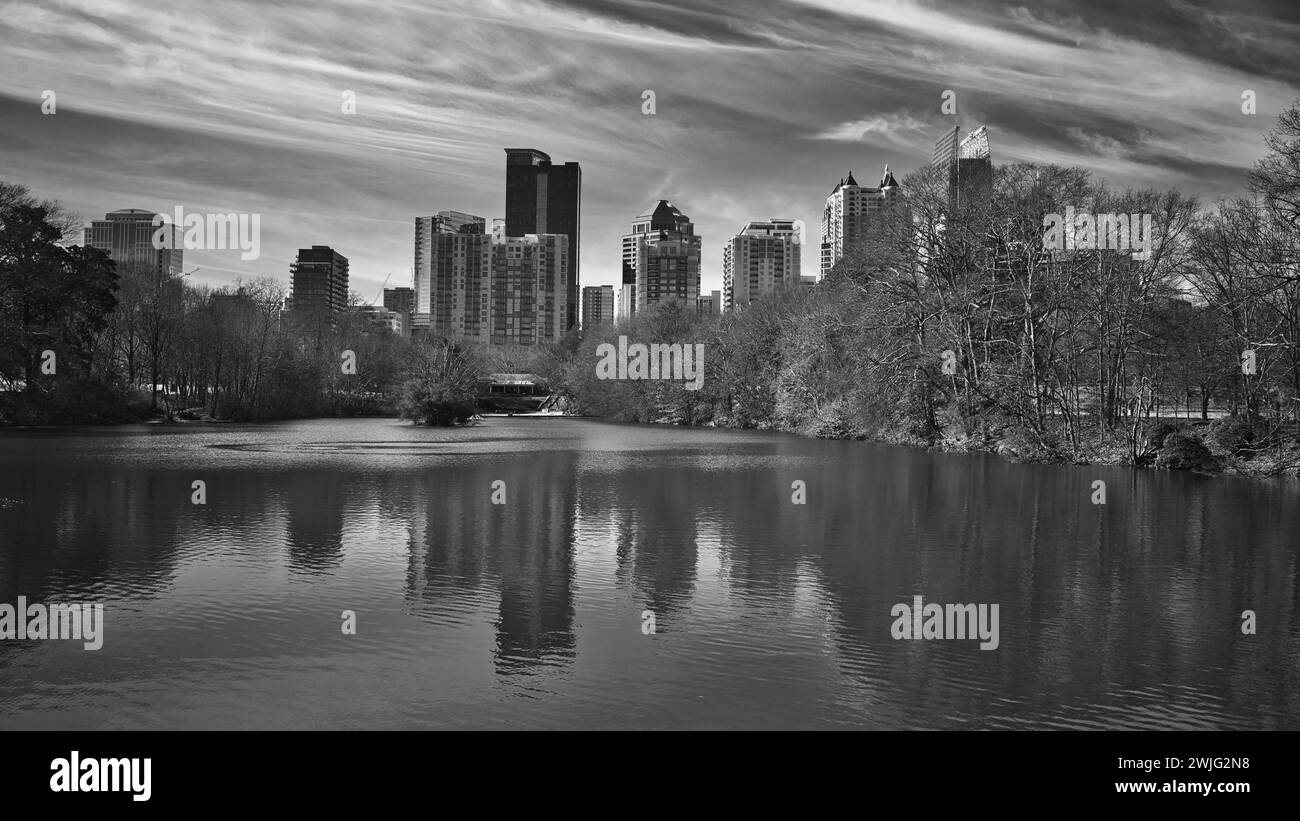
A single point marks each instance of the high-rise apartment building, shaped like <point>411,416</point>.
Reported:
<point>490,289</point>
<point>666,254</point>
<point>318,283</point>
<point>761,258</point>
<point>127,235</point>
<point>426,230</point>
<point>852,213</point>
<point>530,290</point>
<point>544,198</point>
<point>597,305</point>
<point>460,286</point>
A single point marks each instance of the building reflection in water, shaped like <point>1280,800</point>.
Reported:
<point>463,546</point>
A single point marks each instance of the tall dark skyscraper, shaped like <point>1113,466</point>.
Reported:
<point>542,198</point>
<point>318,281</point>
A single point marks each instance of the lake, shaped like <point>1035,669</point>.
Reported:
<point>572,573</point>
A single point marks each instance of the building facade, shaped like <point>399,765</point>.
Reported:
<point>966,165</point>
<point>852,212</point>
<point>127,235</point>
<point>544,198</point>
<point>402,302</point>
<point>460,286</point>
<point>666,259</point>
<point>379,316</point>
<point>625,300</point>
<point>597,305</point>
<point>530,290</point>
<point>763,257</point>
<point>710,305</point>
<point>427,229</point>
<point>318,283</point>
<point>491,289</point>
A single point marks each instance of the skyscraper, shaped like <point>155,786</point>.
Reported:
<point>975,167</point>
<point>851,214</point>
<point>597,305</point>
<point>761,258</point>
<point>543,198</point>
<point>489,288</point>
<point>530,290</point>
<point>318,283</point>
<point>127,235</point>
<point>426,229</point>
<point>967,165</point>
<point>945,160</point>
<point>666,258</point>
<point>454,282</point>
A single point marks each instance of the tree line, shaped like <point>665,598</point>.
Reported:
<point>86,340</point>
<point>956,325</point>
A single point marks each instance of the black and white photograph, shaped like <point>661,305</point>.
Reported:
<point>650,365</point>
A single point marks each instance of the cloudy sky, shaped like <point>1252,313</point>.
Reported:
<point>762,105</point>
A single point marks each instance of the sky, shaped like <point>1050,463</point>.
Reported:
<point>761,106</point>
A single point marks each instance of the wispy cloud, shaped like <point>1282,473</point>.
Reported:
<point>761,105</point>
<point>896,128</point>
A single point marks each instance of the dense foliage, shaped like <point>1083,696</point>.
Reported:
<point>1053,356</point>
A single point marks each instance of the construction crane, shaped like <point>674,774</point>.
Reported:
<point>382,287</point>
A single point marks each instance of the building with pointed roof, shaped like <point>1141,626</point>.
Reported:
<point>660,231</point>
<point>851,213</point>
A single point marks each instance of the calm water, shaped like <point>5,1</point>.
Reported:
<point>528,614</point>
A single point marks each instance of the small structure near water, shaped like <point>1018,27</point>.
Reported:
<point>512,393</point>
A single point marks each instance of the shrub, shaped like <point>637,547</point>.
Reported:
<point>74,400</point>
<point>1155,435</point>
<point>1235,434</point>
<point>1182,451</point>
<point>434,405</point>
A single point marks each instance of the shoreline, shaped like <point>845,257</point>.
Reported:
<point>1109,452</point>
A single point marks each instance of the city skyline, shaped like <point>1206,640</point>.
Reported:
<point>224,137</point>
